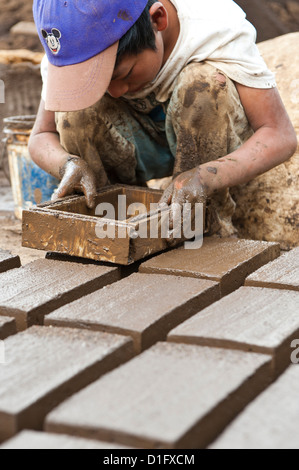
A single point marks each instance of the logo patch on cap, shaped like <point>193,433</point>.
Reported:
<point>52,40</point>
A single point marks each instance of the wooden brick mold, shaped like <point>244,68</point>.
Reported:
<point>228,261</point>
<point>143,306</point>
<point>68,226</point>
<point>283,273</point>
<point>43,366</point>
<point>250,319</point>
<point>34,290</point>
<point>8,261</point>
<point>43,440</point>
<point>170,396</point>
<point>270,421</point>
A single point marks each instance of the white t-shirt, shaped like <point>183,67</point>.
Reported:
<point>214,31</point>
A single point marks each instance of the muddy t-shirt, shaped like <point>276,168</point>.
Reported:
<point>214,31</point>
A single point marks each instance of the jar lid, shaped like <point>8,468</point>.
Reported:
<point>19,122</point>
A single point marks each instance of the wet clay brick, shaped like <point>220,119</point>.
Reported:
<point>170,396</point>
<point>227,260</point>
<point>43,440</point>
<point>45,365</point>
<point>32,291</point>
<point>7,327</point>
<point>144,306</point>
<point>250,319</point>
<point>270,421</point>
<point>8,261</point>
<point>283,273</point>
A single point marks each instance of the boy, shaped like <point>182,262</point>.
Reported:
<point>145,89</point>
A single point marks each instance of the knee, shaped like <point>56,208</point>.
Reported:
<point>193,86</point>
<point>67,122</point>
<point>201,89</point>
<point>221,79</point>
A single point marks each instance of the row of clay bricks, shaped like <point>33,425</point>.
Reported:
<point>179,393</point>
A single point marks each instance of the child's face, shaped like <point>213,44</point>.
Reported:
<point>134,72</point>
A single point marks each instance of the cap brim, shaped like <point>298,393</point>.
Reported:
<point>78,86</point>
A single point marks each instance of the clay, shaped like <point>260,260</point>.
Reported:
<point>228,261</point>
<point>279,54</point>
<point>167,397</point>
<point>283,273</point>
<point>7,327</point>
<point>143,306</point>
<point>46,365</point>
<point>8,261</point>
<point>250,319</point>
<point>43,440</point>
<point>34,290</point>
<point>270,421</point>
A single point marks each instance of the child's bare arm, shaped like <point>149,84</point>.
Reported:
<point>273,142</point>
<point>44,145</point>
<point>46,151</point>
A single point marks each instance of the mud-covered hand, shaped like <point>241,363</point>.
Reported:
<point>77,175</point>
<point>188,187</point>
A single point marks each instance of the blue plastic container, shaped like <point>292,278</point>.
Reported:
<point>30,184</point>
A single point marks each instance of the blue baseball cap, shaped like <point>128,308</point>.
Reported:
<point>81,38</point>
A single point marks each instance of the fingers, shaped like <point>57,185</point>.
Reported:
<point>166,196</point>
<point>184,197</point>
<point>54,196</point>
<point>176,216</point>
<point>174,198</point>
<point>71,178</point>
<point>90,189</point>
<point>65,188</point>
<point>77,175</point>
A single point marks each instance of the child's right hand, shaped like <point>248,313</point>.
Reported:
<point>77,175</point>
